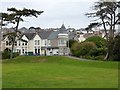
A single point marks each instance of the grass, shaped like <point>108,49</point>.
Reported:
<point>58,72</point>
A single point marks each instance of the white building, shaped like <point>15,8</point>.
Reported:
<point>42,43</point>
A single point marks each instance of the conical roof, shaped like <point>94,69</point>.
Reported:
<point>63,29</point>
<point>63,26</point>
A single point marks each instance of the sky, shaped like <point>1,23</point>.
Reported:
<point>56,12</point>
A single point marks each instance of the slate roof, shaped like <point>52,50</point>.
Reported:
<point>44,34</point>
<point>53,35</point>
<point>30,36</point>
<point>63,29</point>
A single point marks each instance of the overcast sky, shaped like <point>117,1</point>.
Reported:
<point>56,12</point>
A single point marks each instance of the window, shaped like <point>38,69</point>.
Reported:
<point>25,43</point>
<point>10,43</point>
<point>49,42</point>
<point>19,43</point>
<point>35,51</point>
<point>39,51</point>
<point>15,43</point>
<point>62,41</point>
<point>7,43</point>
<point>23,51</point>
<point>35,42</point>
<point>26,49</point>
<point>38,42</point>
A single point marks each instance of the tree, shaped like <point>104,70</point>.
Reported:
<point>90,26</point>
<point>74,49</point>
<point>99,41</point>
<point>82,49</point>
<point>16,16</point>
<point>71,42</point>
<point>107,15</point>
<point>3,17</point>
<point>6,53</point>
<point>116,49</point>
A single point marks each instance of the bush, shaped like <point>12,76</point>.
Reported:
<point>82,49</point>
<point>15,54</point>
<point>6,54</point>
<point>74,49</point>
<point>71,42</point>
<point>97,52</point>
<point>86,47</point>
<point>99,41</point>
<point>95,57</point>
<point>115,52</point>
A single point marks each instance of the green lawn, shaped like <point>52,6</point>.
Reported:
<point>58,72</point>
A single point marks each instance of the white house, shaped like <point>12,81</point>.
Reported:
<point>41,43</point>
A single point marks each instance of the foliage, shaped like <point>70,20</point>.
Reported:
<point>15,17</point>
<point>71,42</point>
<point>6,54</point>
<point>100,57</point>
<point>82,49</point>
<point>99,41</point>
<point>107,15</point>
<point>74,49</point>
<point>97,52</point>
<point>90,26</point>
<point>115,49</point>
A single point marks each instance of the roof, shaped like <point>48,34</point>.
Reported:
<point>22,40</point>
<point>44,34</point>
<point>63,29</point>
<point>53,35</point>
<point>63,26</point>
<point>30,36</point>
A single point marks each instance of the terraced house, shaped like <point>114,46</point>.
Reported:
<point>41,43</point>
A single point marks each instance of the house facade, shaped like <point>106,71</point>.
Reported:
<point>41,43</point>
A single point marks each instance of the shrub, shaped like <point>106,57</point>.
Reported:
<point>74,49</point>
<point>15,54</point>
<point>115,52</point>
<point>71,42</point>
<point>6,53</point>
<point>95,57</point>
<point>86,47</point>
<point>99,41</point>
<point>82,49</point>
<point>97,52</point>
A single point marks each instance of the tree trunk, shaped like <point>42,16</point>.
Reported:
<point>106,56</point>
<point>11,55</point>
<point>107,39</point>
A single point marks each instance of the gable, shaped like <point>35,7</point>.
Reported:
<point>37,37</point>
<point>24,38</point>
